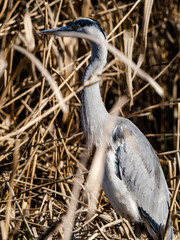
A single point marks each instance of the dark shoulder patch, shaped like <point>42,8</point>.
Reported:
<point>118,134</point>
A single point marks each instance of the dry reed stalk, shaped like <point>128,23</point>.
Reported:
<point>147,12</point>
<point>51,145</point>
<point>129,38</point>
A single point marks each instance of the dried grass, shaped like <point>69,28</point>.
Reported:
<point>43,160</point>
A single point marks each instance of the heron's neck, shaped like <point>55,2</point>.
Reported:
<point>94,113</point>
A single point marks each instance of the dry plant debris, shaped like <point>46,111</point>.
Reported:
<point>43,159</point>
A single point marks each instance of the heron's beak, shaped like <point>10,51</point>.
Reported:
<point>56,31</point>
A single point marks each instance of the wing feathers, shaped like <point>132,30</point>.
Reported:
<point>139,169</point>
<point>154,226</point>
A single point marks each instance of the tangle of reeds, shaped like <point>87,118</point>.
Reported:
<point>44,163</point>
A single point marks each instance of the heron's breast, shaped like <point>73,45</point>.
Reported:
<point>117,192</point>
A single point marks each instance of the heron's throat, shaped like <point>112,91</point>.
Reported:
<point>94,113</point>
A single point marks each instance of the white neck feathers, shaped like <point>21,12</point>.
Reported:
<point>94,113</point>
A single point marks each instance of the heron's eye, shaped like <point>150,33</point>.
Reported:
<point>74,27</point>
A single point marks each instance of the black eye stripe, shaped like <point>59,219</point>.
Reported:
<point>86,22</point>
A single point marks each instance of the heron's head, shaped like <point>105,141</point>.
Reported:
<point>81,25</point>
<point>88,26</point>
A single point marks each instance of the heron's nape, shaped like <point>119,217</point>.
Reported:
<point>133,178</point>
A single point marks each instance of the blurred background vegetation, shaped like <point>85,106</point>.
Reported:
<point>41,147</point>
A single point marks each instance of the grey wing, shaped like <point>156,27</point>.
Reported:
<point>139,168</point>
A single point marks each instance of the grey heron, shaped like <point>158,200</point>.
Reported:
<point>133,178</point>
